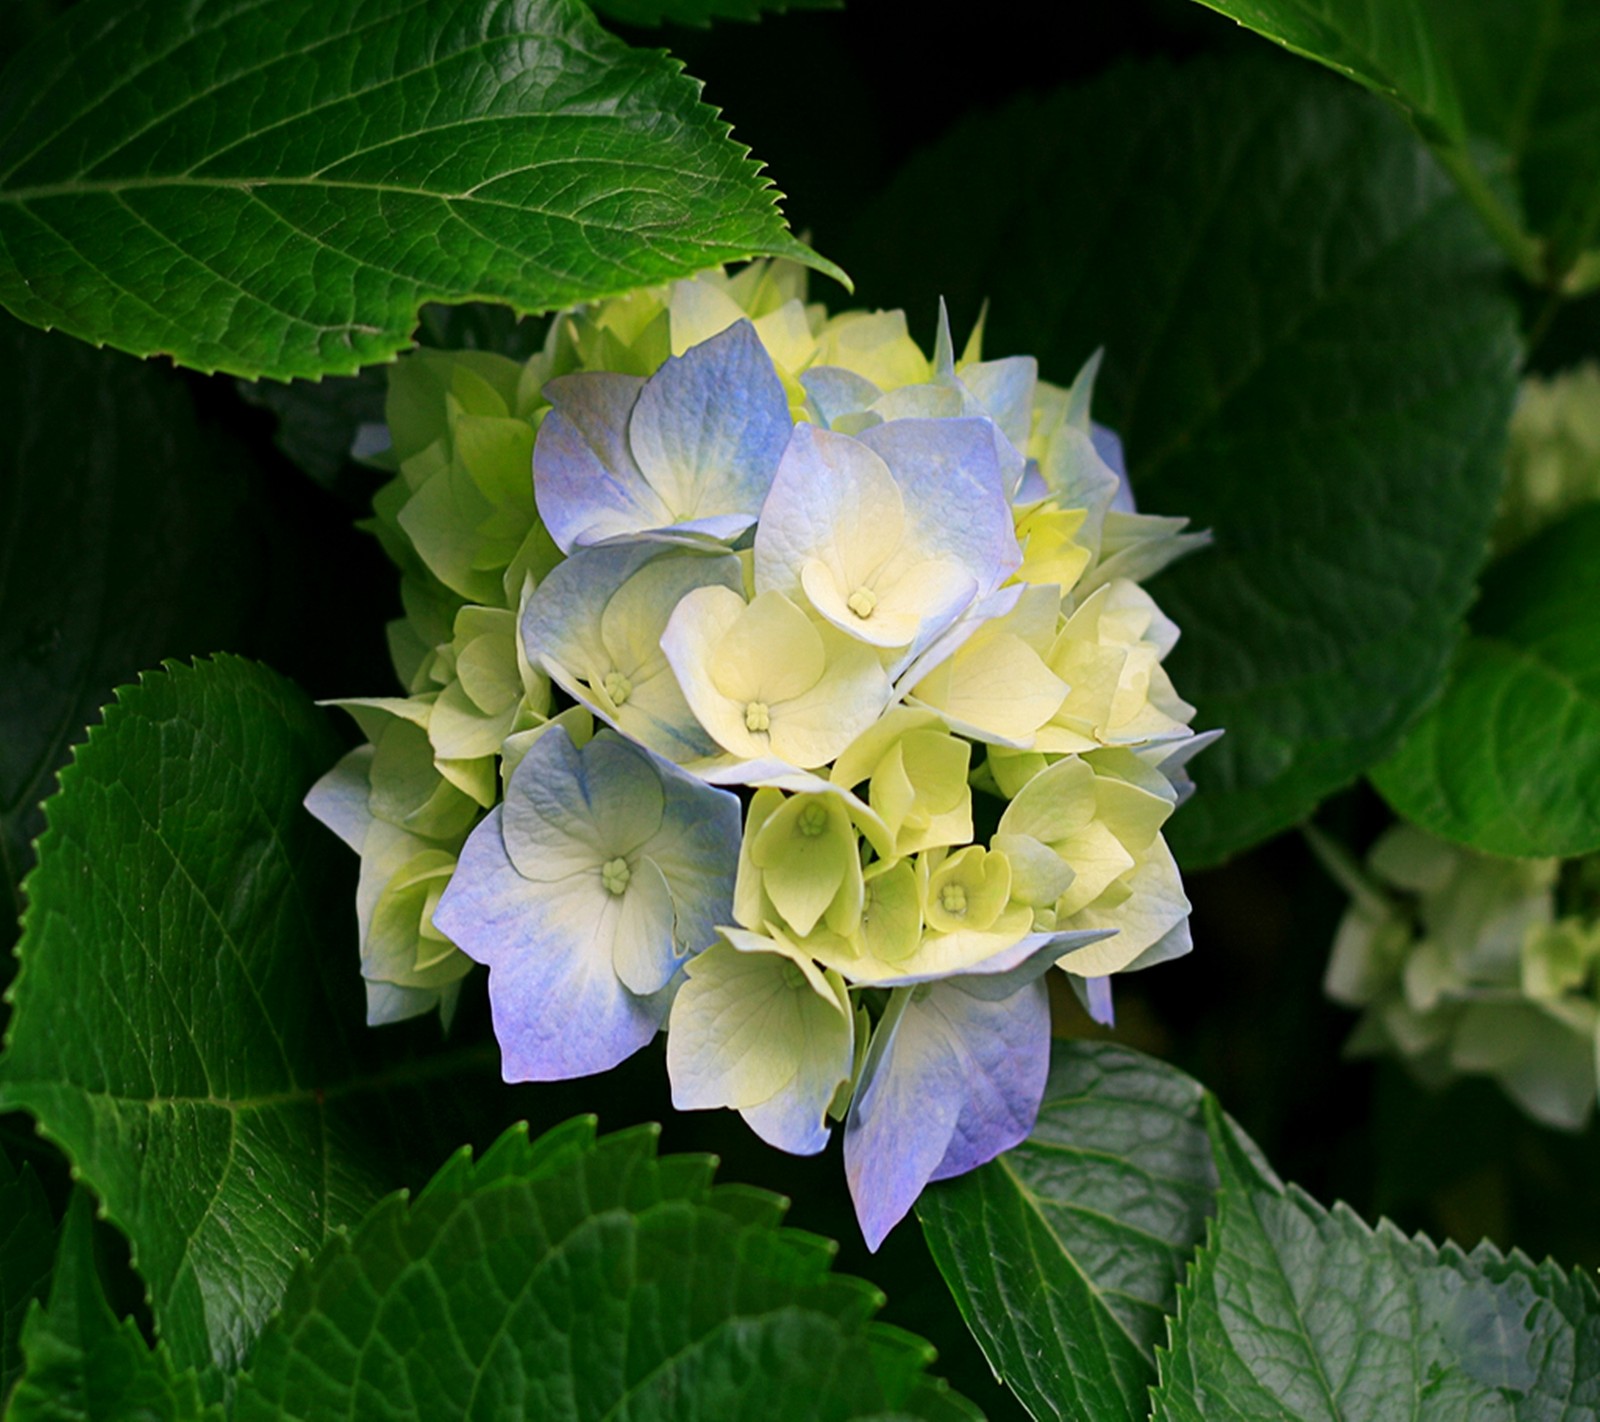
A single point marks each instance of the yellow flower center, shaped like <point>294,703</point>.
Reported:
<point>953,898</point>
<point>862,602</point>
<point>614,874</point>
<point>618,687</point>
<point>757,717</point>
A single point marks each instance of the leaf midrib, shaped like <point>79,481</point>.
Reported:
<point>15,1090</point>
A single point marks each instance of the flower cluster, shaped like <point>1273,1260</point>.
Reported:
<point>1470,964</point>
<point>1554,459</point>
<point>804,703</point>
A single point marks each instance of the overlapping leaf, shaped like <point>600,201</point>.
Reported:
<point>1508,760</point>
<point>569,1278</point>
<point>113,507</point>
<point>1504,91</point>
<point>1305,350</point>
<point>273,187</point>
<point>1065,1254</point>
<point>26,1233</point>
<point>1296,1311</point>
<point>86,1364</point>
<point>184,1025</point>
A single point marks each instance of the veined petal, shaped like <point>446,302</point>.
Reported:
<point>558,1007</point>
<point>585,481</point>
<point>568,811</point>
<point>956,503</point>
<point>950,1081</point>
<point>709,428</point>
<point>696,848</point>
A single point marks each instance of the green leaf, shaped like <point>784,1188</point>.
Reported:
<point>1065,1253</point>
<point>1502,89</point>
<point>185,1025</point>
<point>114,508</point>
<point>1296,1311</point>
<point>1508,760</point>
<point>1306,351</point>
<point>27,1230</point>
<point>85,1363</point>
<point>702,12</point>
<point>274,187</point>
<point>570,1277</point>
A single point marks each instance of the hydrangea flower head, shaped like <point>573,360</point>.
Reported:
<point>885,734</point>
<point>1466,964</point>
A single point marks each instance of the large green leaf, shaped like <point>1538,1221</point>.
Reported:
<point>575,1278</point>
<point>1065,1254</point>
<point>27,1231</point>
<point>1296,1311</point>
<point>184,1025</point>
<point>273,187</point>
<point>1508,760</point>
<point>84,1364</point>
<point>1306,351</point>
<point>114,507</point>
<point>1504,90</point>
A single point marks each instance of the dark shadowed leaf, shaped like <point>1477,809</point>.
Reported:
<point>87,1365</point>
<point>1508,760</point>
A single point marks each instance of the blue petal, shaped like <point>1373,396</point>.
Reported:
<point>568,810</point>
<point>950,1081</point>
<point>1108,445</point>
<point>585,482</point>
<point>558,1007</point>
<point>697,851</point>
<point>955,493</point>
<point>709,428</point>
<point>833,392</point>
<point>1011,1051</point>
<point>1096,996</point>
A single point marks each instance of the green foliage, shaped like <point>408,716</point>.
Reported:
<point>1508,760</point>
<point>83,1362</point>
<point>1291,1310</point>
<point>180,1027</point>
<point>26,1231</point>
<point>113,503</point>
<point>570,1277</point>
<point>701,12</point>
<point>1305,351</point>
<point>275,188</point>
<point>1066,1257</point>
<point>1504,92</point>
<point>1065,1254</point>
